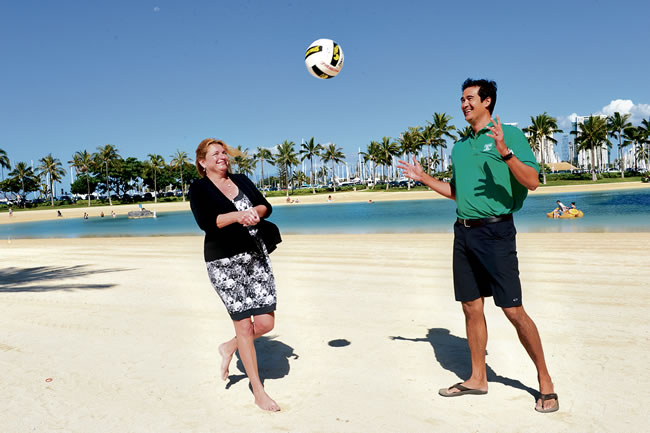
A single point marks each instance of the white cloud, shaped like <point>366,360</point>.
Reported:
<point>564,122</point>
<point>637,112</point>
<point>156,9</point>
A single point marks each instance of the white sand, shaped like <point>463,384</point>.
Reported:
<point>128,328</point>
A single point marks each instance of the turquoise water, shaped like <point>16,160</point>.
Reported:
<point>619,211</point>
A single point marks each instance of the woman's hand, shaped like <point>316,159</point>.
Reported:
<point>248,217</point>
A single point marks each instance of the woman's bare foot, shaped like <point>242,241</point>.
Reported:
<point>264,402</point>
<point>226,357</point>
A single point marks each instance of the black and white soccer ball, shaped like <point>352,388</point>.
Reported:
<point>324,58</point>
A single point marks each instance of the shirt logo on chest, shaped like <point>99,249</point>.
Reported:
<point>487,147</point>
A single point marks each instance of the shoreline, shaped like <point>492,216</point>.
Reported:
<point>338,197</point>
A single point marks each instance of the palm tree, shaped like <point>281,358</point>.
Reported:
<point>82,161</point>
<point>264,155</point>
<point>645,152</point>
<point>53,169</point>
<point>436,160</point>
<point>299,177</point>
<point>371,154</point>
<point>334,155</point>
<point>387,149</point>
<point>310,150</point>
<point>441,129</point>
<point>285,158</point>
<point>592,134</point>
<point>22,172</point>
<point>246,165</point>
<point>542,129</point>
<point>4,162</point>
<point>239,159</point>
<point>409,144</point>
<point>634,136</point>
<point>179,159</point>
<point>616,125</point>
<point>155,163</point>
<point>107,155</point>
<point>467,131</point>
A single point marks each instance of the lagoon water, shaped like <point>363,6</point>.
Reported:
<point>612,211</point>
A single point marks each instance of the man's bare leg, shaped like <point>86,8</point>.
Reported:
<point>476,329</point>
<point>529,337</point>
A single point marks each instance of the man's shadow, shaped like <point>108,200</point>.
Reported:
<point>272,360</point>
<point>452,353</point>
<point>492,189</point>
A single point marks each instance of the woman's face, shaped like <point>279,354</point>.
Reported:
<point>216,159</point>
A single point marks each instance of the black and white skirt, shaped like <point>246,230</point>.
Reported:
<point>245,281</point>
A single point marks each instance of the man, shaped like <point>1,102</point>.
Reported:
<point>493,169</point>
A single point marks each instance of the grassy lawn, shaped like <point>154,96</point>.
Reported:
<point>563,182</point>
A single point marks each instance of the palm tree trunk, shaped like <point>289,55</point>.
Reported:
<point>593,165</point>
<point>313,178</point>
<point>182,184</point>
<point>88,186</point>
<point>408,181</point>
<point>543,164</point>
<point>620,156</point>
<point>155,187</point>
<point>386,175</point>
<point>51,190</point>
<point>262,166</point>
<point>108,187</point>
<point>333,180</point>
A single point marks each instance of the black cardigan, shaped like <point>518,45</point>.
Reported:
<point>207,202</point>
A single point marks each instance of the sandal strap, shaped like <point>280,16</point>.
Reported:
<point>552,396</point>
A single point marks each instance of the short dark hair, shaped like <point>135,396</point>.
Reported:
<point>486,88</point>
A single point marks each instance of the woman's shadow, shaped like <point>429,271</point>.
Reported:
<point>452,353</point>
<point>272,360</point>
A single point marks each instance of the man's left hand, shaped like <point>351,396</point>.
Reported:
<point>496,133</point>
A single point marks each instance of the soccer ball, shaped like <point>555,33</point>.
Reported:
<point>324,58</point>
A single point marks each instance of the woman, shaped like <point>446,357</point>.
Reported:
<point>231,211</point>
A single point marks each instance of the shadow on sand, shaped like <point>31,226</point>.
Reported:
<point>452,353</point>
<point>41,278</point>
<point>272,360</point>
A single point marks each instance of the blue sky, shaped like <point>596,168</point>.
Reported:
<point>157,76</point>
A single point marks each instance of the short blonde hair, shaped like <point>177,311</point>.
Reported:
<point>202,150</point>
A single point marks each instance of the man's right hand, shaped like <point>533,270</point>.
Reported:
<point>412,171</point>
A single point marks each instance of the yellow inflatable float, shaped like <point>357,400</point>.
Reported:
<point>571,213</point>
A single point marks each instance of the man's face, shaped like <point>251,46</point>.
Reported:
<point>472,106</point>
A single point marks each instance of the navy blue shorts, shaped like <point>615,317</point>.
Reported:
<point>485,263</point>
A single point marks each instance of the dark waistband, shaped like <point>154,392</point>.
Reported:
<point>483,221</point>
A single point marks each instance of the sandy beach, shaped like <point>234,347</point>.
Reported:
<point>338,197</point>
<point>121,334</point>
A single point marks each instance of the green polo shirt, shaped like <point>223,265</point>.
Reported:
<point>483,182</point>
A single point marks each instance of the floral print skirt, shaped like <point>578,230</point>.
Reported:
<point>245,281</point>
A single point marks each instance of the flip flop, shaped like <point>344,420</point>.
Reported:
<point>462,390</point>
<point>545,397</point>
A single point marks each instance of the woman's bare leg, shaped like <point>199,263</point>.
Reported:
<point>245,335</point>
<point>262,324</point>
